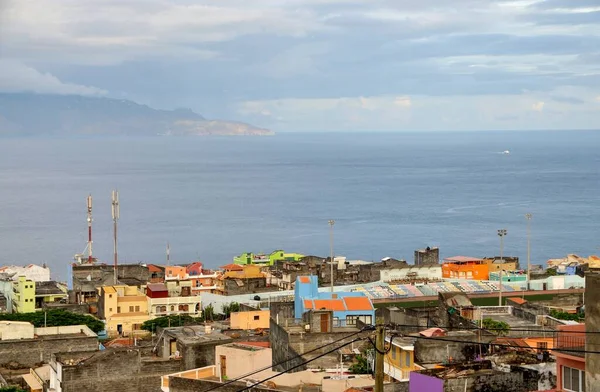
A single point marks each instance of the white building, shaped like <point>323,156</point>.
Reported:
<point>31,271</point>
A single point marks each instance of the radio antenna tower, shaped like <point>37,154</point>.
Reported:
<point>115,217</point>
<point>168,254</point>
<point>89,220</point>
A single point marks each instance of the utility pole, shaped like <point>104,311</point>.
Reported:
<point>168,254</point>
<point>379,356</point>
<point>528,216</point>
<point>331,223</point>
<point>115,217</point>
<point>501,234</point>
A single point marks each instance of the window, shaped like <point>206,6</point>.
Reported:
<point>573,379</point>
<point>136,327</point>
<point>131,309</point>
<point>137,308</point>
<point>118,309</point>
<point>351,320</point>
<point>172,308</point>
<point>257,317</point>
<point>110,309</point>
<point>394,352</point>
<point>109,295</point>
<point>407,359</point>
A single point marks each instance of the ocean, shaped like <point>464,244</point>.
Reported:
<point>212,198</point>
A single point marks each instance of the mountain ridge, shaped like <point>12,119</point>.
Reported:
<point>32,114</point>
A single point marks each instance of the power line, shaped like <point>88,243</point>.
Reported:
<point>287,360</point>
<point>566,350</point>
<point>297,366</point>
<point>499,329</point>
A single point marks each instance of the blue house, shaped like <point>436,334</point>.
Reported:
<point>347,307</point>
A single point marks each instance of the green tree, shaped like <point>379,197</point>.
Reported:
<point>169,321</point>
<point>551,271</point>
<point>361,366</point>
<point>230,308</point>
<point>56,318</point>
<point>567,316</point>
<point>499,327</point>
<point>12,389</point>
<point>208,313</point>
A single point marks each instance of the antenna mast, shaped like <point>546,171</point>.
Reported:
<point>168,254</point>
<point>89,220</point>
<point>115,217</point>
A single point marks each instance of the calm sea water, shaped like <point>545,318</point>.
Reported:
<point>213,198</point>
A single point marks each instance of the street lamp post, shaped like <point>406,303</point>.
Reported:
<point>528,216</point>
<point>501,234</point>
<point>331,223</point>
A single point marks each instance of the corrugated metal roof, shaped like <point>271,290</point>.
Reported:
<point>109,289</point>
<point>462,259</point>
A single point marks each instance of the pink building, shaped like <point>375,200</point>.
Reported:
<point>569,350</point>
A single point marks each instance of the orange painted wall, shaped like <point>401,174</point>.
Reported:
<point>465,271</point>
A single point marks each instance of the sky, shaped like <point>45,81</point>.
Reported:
<point>319,65</point>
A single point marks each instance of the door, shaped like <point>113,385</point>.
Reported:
<point>223,366</point>
<point>119,329</point>
<point>324,323</point>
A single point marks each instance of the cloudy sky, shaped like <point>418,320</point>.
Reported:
<point>313,65</point>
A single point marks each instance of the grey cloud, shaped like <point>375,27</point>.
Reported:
<point>565,4</point>
<point>570,100</point>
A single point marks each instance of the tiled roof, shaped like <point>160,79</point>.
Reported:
<point>517,300</point>
<point>232,267</point>
<point>153,268</point>
<point>358,303</point>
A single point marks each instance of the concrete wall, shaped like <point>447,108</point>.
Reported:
<point>15,330</point>
<point>421,382</point>
<point>30,352</point>
<point>592,326</point>
<point>200,354</point>
<point>250,319</point>
<point>120,370</point>
<point>177,384</point>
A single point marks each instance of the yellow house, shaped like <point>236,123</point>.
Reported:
<point>399,361</point>
<point>124,308</point>
<point>23,296</point>
<point>252,319</point>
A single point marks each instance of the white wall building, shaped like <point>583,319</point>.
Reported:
<point>31,271</point>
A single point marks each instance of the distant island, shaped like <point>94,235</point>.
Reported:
<point>29,114</point>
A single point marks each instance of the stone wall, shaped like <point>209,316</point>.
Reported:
<point>117,370</point>
<point>30,352</point>
<point>287,346</point>
<point>495,382</point>
<point>438,351</point>
<point>282,310</point>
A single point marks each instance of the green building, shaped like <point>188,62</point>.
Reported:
<point>23,296</point>
<point>264,259</point>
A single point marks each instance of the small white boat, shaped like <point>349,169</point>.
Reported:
<point>505,152</point>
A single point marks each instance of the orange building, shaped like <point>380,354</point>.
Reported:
<point>464,267</point>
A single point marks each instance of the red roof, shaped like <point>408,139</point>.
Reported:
<point>517,300</point>
<point>304,279</point>
<point>232,267</point>
<point>358,303</point>
<point>329,304</point>
<point>462,259</point>
<point>155,287</point>
<point>308,304</point>
<point>153,268</point>
<point>432,332</point>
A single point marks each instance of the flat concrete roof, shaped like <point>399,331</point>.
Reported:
<point>195,334</point>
